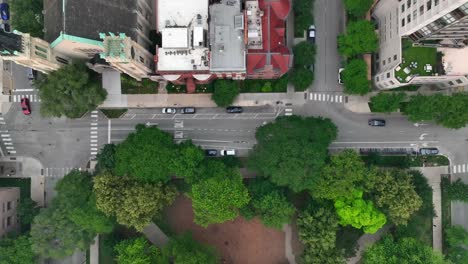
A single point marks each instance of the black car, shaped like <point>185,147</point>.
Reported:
<point>188,110</point>
<point>376,122</point>
<point>428,151</point>
<point>234,109</point>
<point>211,152</point>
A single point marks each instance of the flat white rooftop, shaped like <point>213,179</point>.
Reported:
<point>180,13</point>
<point>183,59</point>
<point>175,38</point>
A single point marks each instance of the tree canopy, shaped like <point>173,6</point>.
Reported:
<point>270,203</point>
<point>293,159</point>
<point>70,91</point>
<point>184,250</point>
<point>16,251</point>
<point>301,78</point>
<point>355,77</point>
<point>225,91</point>
<point>27,210</point>
<point>357,8</point>
<point>357,212</point>
<point>302,16</point>
<point>150,155</point>
<point>137,251</point>
<point>448,111</point>
<point>218,198</point>
<point>132,203</point>
<point>403,251</point>
<point>457,191</point>
<point>28,17</point>
<point>360,38</point>
<point>457,243</point>
<point>106,158</point>
<point>386,102</point>
<point>304,54</point>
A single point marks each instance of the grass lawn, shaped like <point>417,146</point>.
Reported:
<point>23,183</point>
<point>405,161</point>
<point>132,86</point>
<point>420,55</point>
<point>114,113</point>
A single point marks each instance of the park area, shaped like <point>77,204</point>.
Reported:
<point>237,242</point>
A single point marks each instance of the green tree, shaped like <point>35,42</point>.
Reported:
<point>317,231</point>
<point>304,54</point>
<point>184,250</point>
<point>106,158</point>
<point>359,213</point>
<point>302,16</point>
<point>395,194</point>
<point>70,91</point>
<point>403,251</point>
<point>357,8</point>
<point>28,17</point>
<point>270,203</point>
<point>344,173</point>
<point>457,243</point>
<point>132,203</point>
<point>225,91</point>
<point>217,199</point>
<point>301,78</point>
<point>458,191</point>
<point>27,210</point>
<point>16,251</point>
<point>295,158</point>
<point>355,77</point>
<point>150,155</point>
<point>386,102</point>
<point>137,251</point>
<point>360,38</point>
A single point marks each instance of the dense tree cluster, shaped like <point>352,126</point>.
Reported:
<point>303,17</point>
<point>225,92</point>
<point>28,16</point>
<point>17,251</point>
<point>355,77</point>
<point>386,102</point>
<point>457,243</point>
<point>360,38</point>
<point>357,8</point>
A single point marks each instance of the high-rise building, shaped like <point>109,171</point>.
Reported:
<point>417,38</point>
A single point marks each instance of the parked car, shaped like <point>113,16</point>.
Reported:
<point>227,152</point>
<point>234,109</point>
<point>4,11</point>
<point>376,122</point>
<point>25,106</point>
<point>311,34</point>
<point>340,78</point>
<point>5,27</point>
<point>428,151</point>
<point>188,110</point>
<point>169,110</point>
<point>31,74</point>
<point>211,152</point>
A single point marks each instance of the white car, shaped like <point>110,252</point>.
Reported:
<point>228,152</point>
<point>169,110</point>
<point>340,80</point>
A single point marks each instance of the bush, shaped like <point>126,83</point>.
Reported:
<point>458,191</point>
<point>225,91</point>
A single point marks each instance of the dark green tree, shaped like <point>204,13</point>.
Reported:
<point>106,158</point>
<point>301,78</point>
<point>70,91</point>
<point>302,16</point>
<point>28,17</point>
<point>360,38</point>
<point>293,159</point>
<point>386,102</point>
<point>137,251</point>
<point>217,199</point>
<point>225,91</point>
<point>357,8</point>
<point>458,191</point>
<point>16,251</point>
<point>405,250</point>
<point>184,250</point>
<point>27,210</point>
<point>304,54</point>
<point>270,203</point>
<point>457,243</point>
<point>355,77</point>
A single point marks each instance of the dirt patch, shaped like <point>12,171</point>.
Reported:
<point>238,241</point>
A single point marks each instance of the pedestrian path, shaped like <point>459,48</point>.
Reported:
<point>461,168</point>
<point>32,97</point>
<point>328,97</point>
<point>94,134</point>
<point>58,172</point>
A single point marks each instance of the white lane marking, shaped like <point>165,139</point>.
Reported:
<point>6,139</point>
<point>10,147</point>
<point>93,132</point>
<point>12,152</point>
<point>93,153</point>
<point>94,124</point>
<point>93,149</point>
<point>23,90</point>
<point>5,135</point>
<point>93,140</point>
<point>8,143</point>
<point>94,128</point>
<point>93,136</point>
<point>93,145</point>
<point>94,116</point>
<point>454,168</point>
<point>94,111</point>
<point>463,168</point>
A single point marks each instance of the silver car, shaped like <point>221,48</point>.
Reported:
<point>169,110</point>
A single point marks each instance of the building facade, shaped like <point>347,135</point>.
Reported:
<point>9,200</point>
<point>439,24</point>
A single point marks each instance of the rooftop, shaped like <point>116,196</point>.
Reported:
<point>176,13</point>
<point>227,36</point>
<point>455,61</point>
<point>9,43</point>
<point>416,61</point>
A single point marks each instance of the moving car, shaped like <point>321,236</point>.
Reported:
<point>340,79</point>
<point>211,152</point>
<point>428,151</point>
<point>25,106</point>
<point>4,11</point>
<point>227,152</point>
<point>169,110</point>
<point>188,110</point>
<point>234,109</point>
<point>311,34</point>
<point>376,122</point>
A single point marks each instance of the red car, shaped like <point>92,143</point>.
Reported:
<point>25,106</point>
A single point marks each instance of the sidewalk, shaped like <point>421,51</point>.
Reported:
<point>155,235</point>
<point>288,250</point>
<point>366,241</point>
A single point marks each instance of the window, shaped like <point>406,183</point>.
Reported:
<point>464,8</point>
<point>141,59</point>
<point>429,5</point>
<point>421,10</point>
<point>377,78</point>
<point>395,57</point>
<point>448,18</point>
<point>8,206</point>
<point>61,60</point>
<point>403,22</point>
<point>408,3</point>
<point>41,49</point>
<point>408,19</point>
<point>459,81</point>
<point>403,8</point>
<point>40,54</point>
<point>383,62</point>
<point>8,221</point>
<point>392,83</point>
<point>450,83</point>
<point>388,75</point>
<point>436,2</point>
<point>425,31</point>
<point>415,14</point>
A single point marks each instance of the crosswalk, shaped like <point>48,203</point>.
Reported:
<point>32,97</point>
<point>288,112</point>
<point>58,172</point>
<point>6,140</point>
<point>461,168</point>
<point>94,134</point>
<point>327,97</point>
